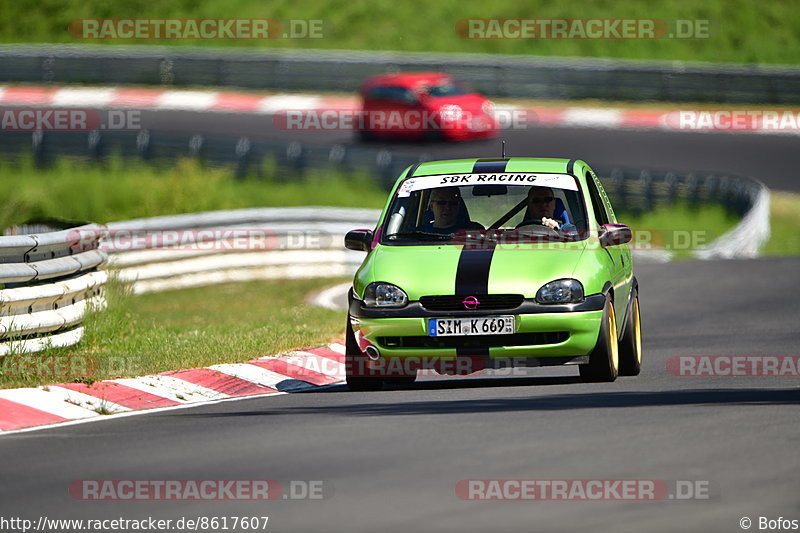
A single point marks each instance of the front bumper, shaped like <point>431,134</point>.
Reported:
<point>543,334</point>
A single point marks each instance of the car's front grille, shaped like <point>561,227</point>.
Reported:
<point>477,341</point>
<point>486,302</point>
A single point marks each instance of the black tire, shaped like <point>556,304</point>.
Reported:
<point>365,136</point>
<point>630,345</point>
<point>354,359</point>
<point>603,365</point>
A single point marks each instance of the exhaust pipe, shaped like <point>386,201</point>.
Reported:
<point>372,353</point>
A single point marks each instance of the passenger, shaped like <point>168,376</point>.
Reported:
<point>448,217</point>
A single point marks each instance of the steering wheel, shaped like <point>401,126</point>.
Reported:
<point>538,227</point>
<point>532,223</point>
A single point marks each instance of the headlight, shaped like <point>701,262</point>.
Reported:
<point>451,112</point>
<point>384,295</point>
<point>488,107</point>
<point>561,291</point>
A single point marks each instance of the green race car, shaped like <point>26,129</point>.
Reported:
<point>480,264</point>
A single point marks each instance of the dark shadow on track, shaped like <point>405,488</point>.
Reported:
<point>446,382</point>
<point>560,402</point>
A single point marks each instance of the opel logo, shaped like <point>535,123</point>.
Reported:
<point>470,302</point>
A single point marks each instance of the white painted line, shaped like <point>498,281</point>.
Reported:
<point>188,100</point>
<point>506,108</point>
<point>47,402</point>
<point>313,362</point>
<point>655,256</point>
<point>279,102</point>
<point>161,392</point>
<point>141,412</point>
<point>78,97</point>
<point>252,373</point>
<point>2,92</point>
<point>174,389</point>
<point>87,401</point>
<point>597,117</point>
<point>338,348</point>
<point>242,371</point>
<point>183,388</point>
<point>334,298</point>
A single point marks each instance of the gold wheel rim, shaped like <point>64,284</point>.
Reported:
<point>637,330</point>
<point>612,336</point>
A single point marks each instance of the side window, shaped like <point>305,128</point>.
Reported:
<point>606,202</point>
<point>393,94</point>
<point>597,201</point>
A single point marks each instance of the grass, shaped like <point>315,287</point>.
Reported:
<point>679,228</point>
<point>682,229</point>
<point>784,224</point>
<point>741,30</point>
<point>74,189</point>
<point>152,333</point>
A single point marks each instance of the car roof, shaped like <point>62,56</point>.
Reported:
<point>497,165</point>
<point>406,79</point>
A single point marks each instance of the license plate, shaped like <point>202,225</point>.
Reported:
<point>490,325</point>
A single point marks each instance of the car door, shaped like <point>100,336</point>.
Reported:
<point>394,111</point>
<point>619,255</point>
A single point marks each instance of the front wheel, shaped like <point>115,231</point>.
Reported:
<point>630,345</point>
<point>355,367</point>
<point>604,360</point>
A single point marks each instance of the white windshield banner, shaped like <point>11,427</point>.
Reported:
<point>555,181</point>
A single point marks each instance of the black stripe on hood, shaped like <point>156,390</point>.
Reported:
<point>489,166</point>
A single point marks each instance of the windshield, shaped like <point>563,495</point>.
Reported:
<point>450,88</point>
<point>433,210</point>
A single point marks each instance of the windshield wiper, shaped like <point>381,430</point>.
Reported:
<point>423,235</point>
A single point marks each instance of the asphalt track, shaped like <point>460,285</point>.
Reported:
<point>390,460</point>
<point>768,157</point>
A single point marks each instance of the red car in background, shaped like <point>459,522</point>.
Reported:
<point>423,106</point>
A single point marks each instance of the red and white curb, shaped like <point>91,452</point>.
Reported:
<point>69,403</point>
<point>232,102</point>
<point>143,98</point>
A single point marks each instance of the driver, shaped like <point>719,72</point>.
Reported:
<point>446,205</point>
<point>541,206</point>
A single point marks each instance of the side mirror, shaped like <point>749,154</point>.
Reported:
<point>615,234</point>
<point>359,240</point>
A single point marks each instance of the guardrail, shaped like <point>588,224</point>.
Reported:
<point>181,251</point>
<point>49,281</point>
<point>246,156</point>
<point>509,76</point>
